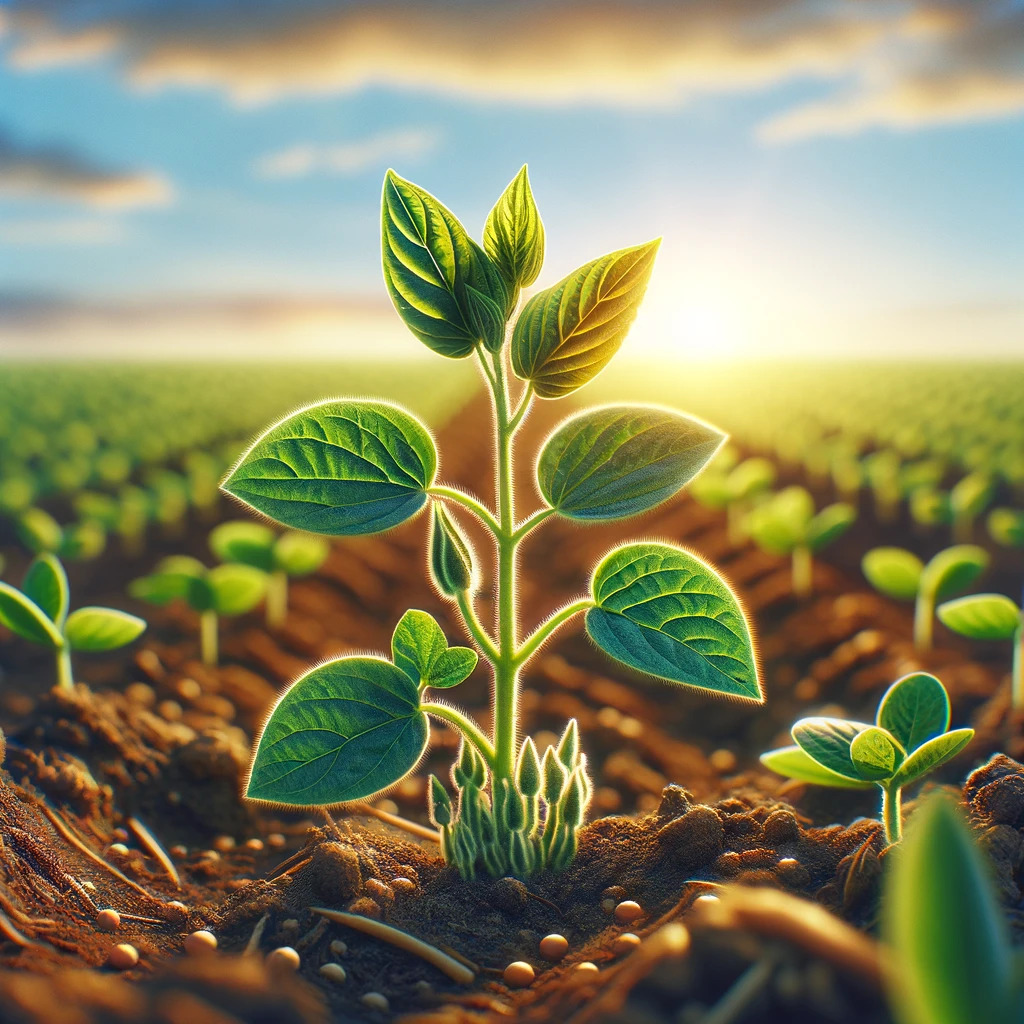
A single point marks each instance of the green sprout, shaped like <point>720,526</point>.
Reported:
<point>40,533</point>
<point>910,738</point>
<point>280,556</point>
<point>901,575</point>
<point>1006,527</point>
<point>39,612</point>
<point>211,593</point>
<point>968,498</point>
<point>786,524</point>
<point>736,491</point>
<point>355,726</point>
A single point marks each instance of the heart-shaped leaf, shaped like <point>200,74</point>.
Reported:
<point>340,468</point>
<point>931,754</point>
<point>566,334</point>
<point>621,460</point>
<point>514,234</point>
<point>235,589</point>
<point>794,763</point>
<point>244,542</point>
<point>830,524</point>
<point>46,584</point>
<point>299,554</point>
<point>828,741</point>
<point>893,572</point>
<point>981,616</point>
<point>343,731</point>
<point>452,667</point>
<point>666,612</point>
<point>23,616</point>
<point>874,754</point>
<point>417,642</point>
<point>953,570</point>
<point>102,629</point>
<point>914,709</point>
<point>429,263</point>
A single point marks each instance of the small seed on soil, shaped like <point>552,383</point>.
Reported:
<point>403,884</point>
<point>339,948</point>
<point>254,844</point>
<point>209,855</point>
<point>705,900</point>
<point>189,689</point>
<point>119,849</point>
<point>169,710</point>
<point>123,957</point>
<point>613,892</point>
<point>283,959</point>
<point>291,924</point>
<point>387,806</point>
<point>224,843</point>
<point>518,974</point>
<point>200,943</point>
<point>120,834</point>
<point>276,840</point>
<point>608,906</point>
<point>423,988</point>
<point>628,911</point>
<point>586,967</point>
<point>378,890</point>
<point>108,920</point>
<point>178,905</point>
<point>554,947</point>
<point>334,972</point>
<point>625,943</point>
<point>376,1001</point>
<point>89,885</point>
<point>178,851</point>
<point>723,761</point>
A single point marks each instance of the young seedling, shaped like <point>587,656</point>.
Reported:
<point>355,726</point>
<point>1006,527</point>
<point>882,472</point>
<point>901,575</point>
<point>280,556</point>
<point>968,498</point>
<point>211,593</point>
<point>990,617</point>
<point>737,491</point>
<point>786,524</point>
<point>910,738</point>
<point>42,534</point>
<point>39,612</point>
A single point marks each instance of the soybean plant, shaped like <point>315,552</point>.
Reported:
<point>39,612</point>
<point>900,574</point>
<point>355,726</point>
<point>736,489</point>
<point>910,738</point>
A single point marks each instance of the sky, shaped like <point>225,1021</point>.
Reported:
<point>830,177</point>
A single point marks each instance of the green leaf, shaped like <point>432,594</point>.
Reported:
<point>514,234</point>
<point>486,318</point>
<point>874,754</point>
<point>299,554</point>
<point>235,589</point>
<point>830,524</point>
<point>102,629</point>
<point>894,572</point>
<point>566,334</point>
<point>620,460</point>
<point>23,616</point>
<point>244,542</point>
<point>451,562</point>
<point>1006,525</point>
<point>340,468</point>
<point>429,263</point>
<point>39,531</point>
<point>417,643</point>
<point>750,477</point>
<point>914,709</point>
<point>666,612</point>
<point>343,731</point>
<point>174,577</point>
<point>82,541</point>
<point>932,754</point>
<point>953,570</point>
<point>971,494</point>
<point>46,584</point>
<point>828,741</point>
<point>981,616</point>
<point>780,524</point>
<point>944,925</point>
<point>452,667</point>
<point>794,763</point>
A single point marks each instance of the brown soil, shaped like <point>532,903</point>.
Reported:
<point>160,745</point>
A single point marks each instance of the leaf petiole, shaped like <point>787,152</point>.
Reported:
<point>528,525</point>
<point>467,501</point>
<point>475,628</point>
<point>466,726</point>
<point>548,627</point>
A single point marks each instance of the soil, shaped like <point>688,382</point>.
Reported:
<point>125,794</point>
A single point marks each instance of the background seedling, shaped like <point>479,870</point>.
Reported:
<point>736,488</point>
<point>1006,527</point>
<point>909,739</point>
<point>900,574</point>
<point>40,533</point>
<point>786,524</point>
<point>212,593</point>
<point>969,497</point>
<point>357,725</point>
<point>39,612</point>
<point>289,554</point>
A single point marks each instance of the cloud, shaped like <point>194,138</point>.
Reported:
<point>62,174</point>
<point>346,158</point>
<point>72,231</point>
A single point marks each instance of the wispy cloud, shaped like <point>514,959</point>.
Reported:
<point>346,158</point>
<point>83,231</point>
<point>53,173</point>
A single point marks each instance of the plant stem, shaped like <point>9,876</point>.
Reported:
<point>924,611</point>
<point>1017,673</point>
<point>802,570</point>
<point>466,726</point>
<point>546,628</point>
<point>524,408</point>
<point>65,676</point>
<point>892,813</point>
<point>277,598</point>
<point>476,630</point>
<point>466,501</point>
<point>531,522</point>
<point>208,640</point>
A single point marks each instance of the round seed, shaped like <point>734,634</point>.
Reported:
<point>334,972</point>
<point>376,1001</point>
<point>254,844</point>
<point>283,959</point>
<point>628,911</point>
<point>608,906</point>
<point>339,948</point>
<point>625,943</point>
<point>586,967</point>
<point>118,848</point>
<point>108,920</point>
<point>554,947</point>
<point>200,943</point>
<point>123,957</point>
<point>518,974</point>
<point>403,884</point>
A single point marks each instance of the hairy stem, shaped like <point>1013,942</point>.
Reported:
<point>547,628</point>
<point>481,511</point>
<point>464,725</point>
<point>530,523</point>
<point>208,641</point>
<point>476,630</point>
<point>892,813</point>
<point>65,676</point>
<point>524,407</point>
<point>277,599</point>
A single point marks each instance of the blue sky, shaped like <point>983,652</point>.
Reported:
<point>825,175</point>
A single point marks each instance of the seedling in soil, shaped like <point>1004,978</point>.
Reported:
<point>954,962</point>
<point>40,533</point>
<point>355,726</point>
<point>786,524</point>
<point>1006,527</point>
<point>211,593</point>
<point>968,498</point>
<point>39,612</point>
<point>901,575</point>
<point>910,738</point>
<point>280,556</point>
<point>736,491</point>
<point>990,617</point>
